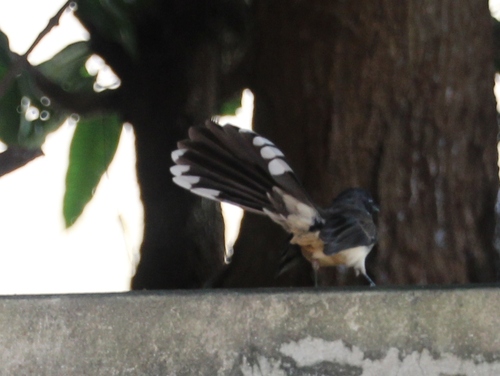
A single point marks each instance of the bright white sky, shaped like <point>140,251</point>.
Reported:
<point>99,253</point>
<point>37,255</point>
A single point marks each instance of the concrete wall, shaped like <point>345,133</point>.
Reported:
<point>439,332</point>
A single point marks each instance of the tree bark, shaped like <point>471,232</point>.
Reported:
<point>187,52</point>
<point>395,97</point>
<point>188,74</point>
<point>438,222</point>
<point>182,244</point>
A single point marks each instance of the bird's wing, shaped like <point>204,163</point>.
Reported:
<point>230,164</point>
<point>345,227</point>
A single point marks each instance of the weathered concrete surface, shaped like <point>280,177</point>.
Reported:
<point>439,332</point>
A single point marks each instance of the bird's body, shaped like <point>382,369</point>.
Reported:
<point>233,165</point>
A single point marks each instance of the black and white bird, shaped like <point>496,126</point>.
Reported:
<point>238,166</point>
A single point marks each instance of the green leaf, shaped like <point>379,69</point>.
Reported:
<point>26,115</point>
<point>114,20</point>
<point>67,68</point>
<point>92,149</point>
<point>230,106</point>
<point>37,117</point>
<point>9,117</point>
<point>5,54</point>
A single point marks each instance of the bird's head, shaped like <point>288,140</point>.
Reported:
<point>358,197</point>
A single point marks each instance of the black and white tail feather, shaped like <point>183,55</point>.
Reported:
<point>238,166</point>
<point>235,165</point>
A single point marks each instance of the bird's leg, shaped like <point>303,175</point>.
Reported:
<point>361,269</point>
<point>372,284</point>
<point>315,265</point>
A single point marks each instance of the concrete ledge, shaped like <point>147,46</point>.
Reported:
<point>286,332</point>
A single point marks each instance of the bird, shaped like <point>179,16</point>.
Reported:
<point>241,167</point>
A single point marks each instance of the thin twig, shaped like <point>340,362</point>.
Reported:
<point>22,61</point>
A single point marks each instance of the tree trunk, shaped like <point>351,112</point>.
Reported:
<point>439,185</point>
<point>182,244</point>
<point>395,97</point>
<point>187,52</point>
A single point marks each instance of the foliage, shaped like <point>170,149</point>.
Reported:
<point>30,110</point>
<point>230,106</point>
<point>92,149</point>
<point>28,114</point>
<point>114,20</point>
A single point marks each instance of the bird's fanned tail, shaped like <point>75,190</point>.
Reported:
<point>243,168</point>
<point>230,164</point>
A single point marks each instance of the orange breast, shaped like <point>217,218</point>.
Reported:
<point>312,249</point>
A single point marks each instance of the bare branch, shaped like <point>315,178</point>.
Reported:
<point>22,61</point>
<point>15,157</point>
